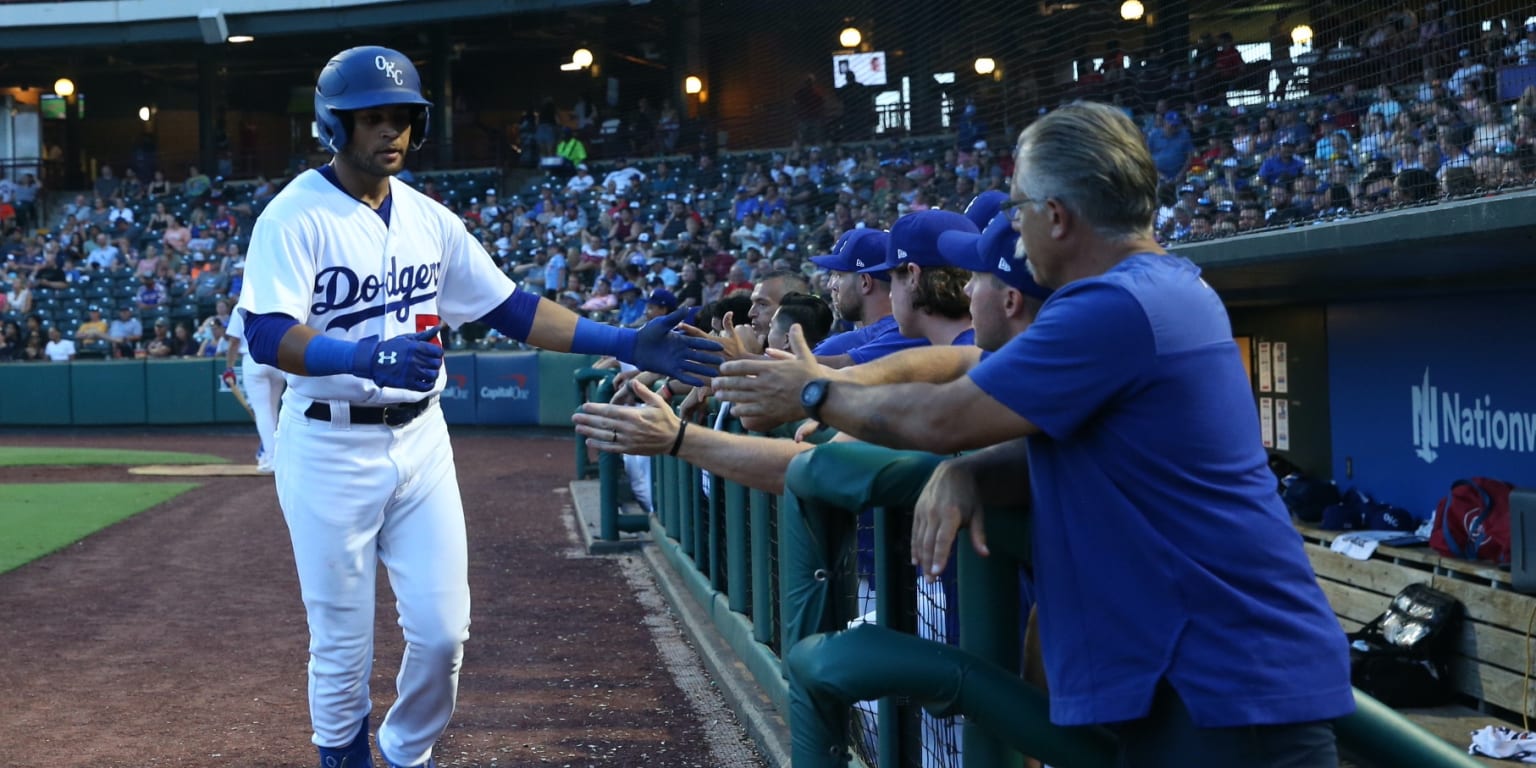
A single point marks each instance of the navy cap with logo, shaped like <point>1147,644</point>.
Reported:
<point>915,238</point>
<point>985,206</point>
<point>855,251</point>
<point>664,298</point>
<point>993,252</point>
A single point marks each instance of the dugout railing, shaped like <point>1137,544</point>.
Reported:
<point>776,573</point>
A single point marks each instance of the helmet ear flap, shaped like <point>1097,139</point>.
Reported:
<point>332,126</point>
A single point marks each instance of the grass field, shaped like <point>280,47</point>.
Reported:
<point>26,456</point>
<point>38,518</point>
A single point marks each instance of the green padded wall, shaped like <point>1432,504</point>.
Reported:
<point>34,394</point>
<point>108,392</point>
<point>178,392</point>
<point>557,388</point>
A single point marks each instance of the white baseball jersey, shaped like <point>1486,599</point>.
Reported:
<point>329,261</point>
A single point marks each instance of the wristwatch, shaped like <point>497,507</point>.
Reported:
<point>813,395</point>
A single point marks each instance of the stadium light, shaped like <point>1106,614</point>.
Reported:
<point>1132,10</point>
<point>582,58</point>
<point>850,37</point>
<point>692,84</point>
<point>144,114</point>
<point>238,39</point>
<point>1301,35</point>
<point>570,66</point>
<point>985,66</point>
<point>64,87</point>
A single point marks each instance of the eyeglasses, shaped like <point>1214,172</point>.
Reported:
<point>1014,204</point>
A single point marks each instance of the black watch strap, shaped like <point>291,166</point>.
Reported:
<point>813,395</point>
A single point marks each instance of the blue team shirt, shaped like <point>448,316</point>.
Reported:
<point>839,344</point>
<point>884,338</point>
<point>1161,548</point>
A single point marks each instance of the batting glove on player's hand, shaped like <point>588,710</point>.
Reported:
<point>229,377</point>
<point>689,359</point>
<point>409,361</point>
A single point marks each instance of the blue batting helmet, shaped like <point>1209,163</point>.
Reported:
<point>363,77</point>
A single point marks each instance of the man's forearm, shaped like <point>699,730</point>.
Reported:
<point>1001,472</point>
<point>935,365</point>
<point>883,415</point>
<point>756,462</point>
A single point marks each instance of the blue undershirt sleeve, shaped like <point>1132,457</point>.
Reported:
<point>513,318</point>
<point>264,334</point>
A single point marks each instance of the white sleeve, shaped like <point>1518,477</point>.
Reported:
<point>236,327</point>
<point>470,284</point>
<point>279,268</point>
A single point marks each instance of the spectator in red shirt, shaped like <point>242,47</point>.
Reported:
<point>1229,61</point>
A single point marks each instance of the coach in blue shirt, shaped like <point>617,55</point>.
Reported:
<point>1176,603</point>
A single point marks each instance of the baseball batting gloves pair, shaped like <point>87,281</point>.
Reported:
<point>409,361</point>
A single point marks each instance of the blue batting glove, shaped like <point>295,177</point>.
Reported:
<point>688,359</point>
<point>409,361</point>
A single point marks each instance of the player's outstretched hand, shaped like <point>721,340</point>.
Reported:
<point>767,390</point>
<point>948,502</point>
<point>688,359</point>
<point>647,431</point>
<point>408,361</point>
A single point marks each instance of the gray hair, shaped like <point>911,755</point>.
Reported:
<point>1091,158</point>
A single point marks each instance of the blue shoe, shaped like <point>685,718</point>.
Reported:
<point>430,763</point>
<point>354,755</point>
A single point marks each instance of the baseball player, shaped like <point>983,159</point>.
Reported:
<point>261,387</point>
<point>350,276</point>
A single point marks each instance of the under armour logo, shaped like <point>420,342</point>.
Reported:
<point>387,358</point>
<point>1002,265</point>
<point>388,68</point>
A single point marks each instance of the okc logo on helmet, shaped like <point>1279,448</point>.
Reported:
<point>388,68</point>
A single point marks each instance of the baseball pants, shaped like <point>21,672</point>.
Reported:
<point>354,496</point>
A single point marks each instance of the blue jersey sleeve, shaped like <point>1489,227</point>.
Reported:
<point>1090,344</point>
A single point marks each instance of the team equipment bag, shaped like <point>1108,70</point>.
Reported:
<point>1402,657</point>
<point>1472,521</point>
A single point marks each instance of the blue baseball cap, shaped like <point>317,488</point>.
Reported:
<point>985,206</point>
<point>993,252</point>
<point>663,298</point>
<point>624,285</point>
<point>857,251</point>
<point>915,239</point>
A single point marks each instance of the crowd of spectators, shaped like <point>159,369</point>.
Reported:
<point>635,237</point>
<point>1232,170</point>
<point>130,268</point>
<point>622,240</point>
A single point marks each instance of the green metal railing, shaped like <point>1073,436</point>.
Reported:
<point>773,573</point>
<point>596,384</point>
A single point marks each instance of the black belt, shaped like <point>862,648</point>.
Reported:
<point>397,415</point>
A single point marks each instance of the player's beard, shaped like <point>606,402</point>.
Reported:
<point>848,307</point>
<point>368,162</point>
